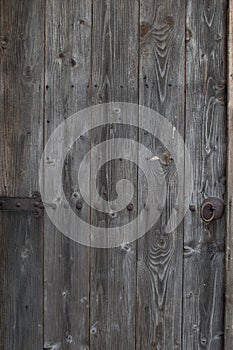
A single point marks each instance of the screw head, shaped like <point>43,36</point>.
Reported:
<point>79,204</point>
<point>130,206</point>
<point>192,207</point>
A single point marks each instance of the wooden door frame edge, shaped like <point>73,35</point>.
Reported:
<point>228,334</point>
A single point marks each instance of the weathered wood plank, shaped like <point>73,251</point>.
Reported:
<point>68,53</point>
<point>159,266</point>
<point>21,120</point>
<point>229,238</point>
<point>22,240</point>
<point>206,140</point>
<point>115,78</point>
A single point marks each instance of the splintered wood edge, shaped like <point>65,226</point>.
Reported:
<point>229,238</point>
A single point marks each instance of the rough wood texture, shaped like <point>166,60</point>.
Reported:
<point>159,267</point>
<point>21,137</point>
<point>229,239</point>
<point>115,78</point>
<point>165,291</point>
<point>68,53</point>
<point>206,140</point>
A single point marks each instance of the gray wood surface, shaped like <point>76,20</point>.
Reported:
<point>206,139</point>
<point>67,74</point>
<point>114,78</point>
<point>229,239</point>
<point>165,291</point>
<point>21,137</point>
<point>159,266</point>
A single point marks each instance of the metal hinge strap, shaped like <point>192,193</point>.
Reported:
<point>28,204</point>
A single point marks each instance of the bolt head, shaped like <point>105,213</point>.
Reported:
<point>130,206</point>
<point>192,207</point>
<point>79,204</point>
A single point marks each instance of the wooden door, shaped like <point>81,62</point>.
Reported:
<point>164,290</point>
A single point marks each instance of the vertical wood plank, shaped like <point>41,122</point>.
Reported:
<point>206,140</point>
<point>68,52</point>
<point>21,138</point>
<point>229,239</point>
<point>159,266</point>
<point>115,78</point>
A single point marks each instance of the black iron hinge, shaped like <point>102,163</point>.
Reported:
<point>32,204</point>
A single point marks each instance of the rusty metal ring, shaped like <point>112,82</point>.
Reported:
<point>211,208</point>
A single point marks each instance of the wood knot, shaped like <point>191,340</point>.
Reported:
<point>165,158</point>
<point>113,215</point>
<point>218,37</point>
<point>188,36</point>
<point>25,253</point>
<point>69,338</point>
<point>161,242</point>
<point>153,345</point>
<point>169,20</point>
<point>27,72</point>
<point>93,330</point>
<point>144,29</point>
<point>4,43</point>
<point>204,342</point>
<point>61,55</point>
<point>73,62</point>
<point>21,37</point>
<point>126,247</point>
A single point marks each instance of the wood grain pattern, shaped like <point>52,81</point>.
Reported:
<point>68,54</point>
<point>159,267</point>
<point>165,291</point>
<point>115,78</point>
<point>206,140</point>
<point>21,137</point>
<point>229,239</point>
